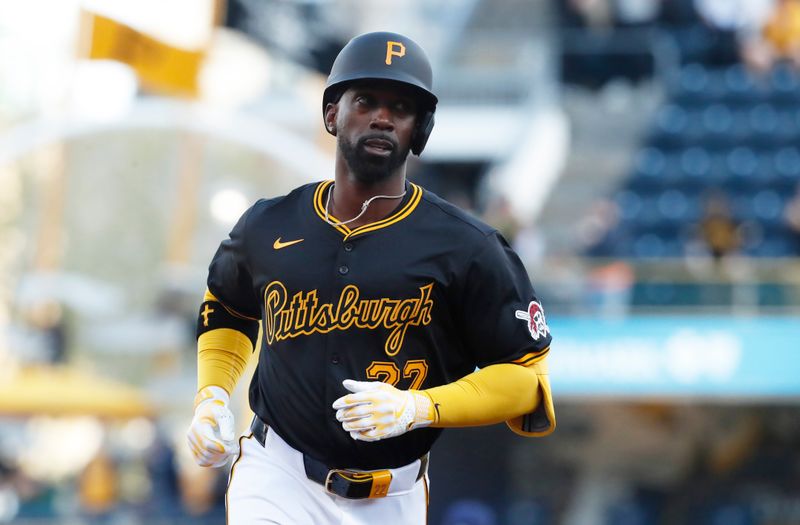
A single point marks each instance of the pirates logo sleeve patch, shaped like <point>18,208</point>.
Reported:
<point>534,316</point>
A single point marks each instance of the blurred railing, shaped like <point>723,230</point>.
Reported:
<point>614,287</point>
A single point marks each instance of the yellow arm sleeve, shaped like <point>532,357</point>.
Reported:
<point>502,392</point>
<point>490,395</point>
<point>222,356</point>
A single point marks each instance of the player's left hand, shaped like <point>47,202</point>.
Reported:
<point>377,410</point>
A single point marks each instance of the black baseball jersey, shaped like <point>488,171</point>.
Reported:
<point>418,299</point>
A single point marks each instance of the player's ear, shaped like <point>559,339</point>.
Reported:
<point>330,117</point>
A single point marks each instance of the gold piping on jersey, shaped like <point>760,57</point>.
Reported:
<point>531,358</point>
<point>286,317</point>
<point>405,211</point>
<point>210,297</point>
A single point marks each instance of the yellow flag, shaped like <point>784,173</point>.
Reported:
<point>161,68</point>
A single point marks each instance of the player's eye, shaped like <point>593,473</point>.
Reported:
<point>364,100</point>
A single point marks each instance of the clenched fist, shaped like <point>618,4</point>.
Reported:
<point>211,435</point>
<point>377,410</point>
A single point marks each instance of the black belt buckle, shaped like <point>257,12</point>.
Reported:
<point>358,485</point>
<point>329,482</point>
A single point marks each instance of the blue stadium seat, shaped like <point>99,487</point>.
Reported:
<point>649,214</point>
<point>649,245</point>
<point>650,161</point>
<point>777,247</point>
<point>763,121</point>
<point>629,205</point>
<point>677,207</point>
<point>784,84</point>
<point>649,168</point>
<point>718,124</point>
<point>787,167</point>
<point>616,243</point>
<point>671,127</point>
<point>693,86</point>
<point>697,168</point>
<point>741,88</point>
<point>742,164</point>
<point>768,205</point>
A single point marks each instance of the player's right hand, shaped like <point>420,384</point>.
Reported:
<point>211,436</point>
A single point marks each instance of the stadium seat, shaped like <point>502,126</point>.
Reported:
<point>784,85</point>
<point>742,164</point>
<point>649,170</point>
<point>629,205</point>
<point>673,205</point>
<point>778,247</point>
<point>765,207</point>
<point>671,126</point>
<point>695,166</point>
<point>740,87</point>
<point>649,245</point>
<point>692,85</point>
<point>787,168</point>
<point>717,120</point>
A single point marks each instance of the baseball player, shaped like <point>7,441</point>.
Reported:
<point>387,314</point>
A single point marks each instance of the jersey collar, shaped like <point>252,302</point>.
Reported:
<point>400,214</point>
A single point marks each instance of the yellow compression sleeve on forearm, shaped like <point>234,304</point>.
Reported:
<point>491,395</point>
<point>222,356</point>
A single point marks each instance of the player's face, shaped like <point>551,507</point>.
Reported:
<point>374,127</point>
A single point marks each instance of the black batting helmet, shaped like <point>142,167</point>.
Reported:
<point>386,56</point>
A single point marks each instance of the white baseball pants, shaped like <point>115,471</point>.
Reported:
<point>268,485</point>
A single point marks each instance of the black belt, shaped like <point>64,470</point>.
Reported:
<point>342,482</point>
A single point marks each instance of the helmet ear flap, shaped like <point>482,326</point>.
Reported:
<point>422,131</point>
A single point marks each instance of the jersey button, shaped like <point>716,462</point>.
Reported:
<point>335,359</point>
<point>348,247</point>
<point>343,269</point>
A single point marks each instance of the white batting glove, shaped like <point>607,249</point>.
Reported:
<point>211,436</point>
<point>377,410</point>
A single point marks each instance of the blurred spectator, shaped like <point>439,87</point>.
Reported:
<point>718,230</point>
<point>778,40</point>
<point>586,14</point>
<point>609,289</point>
<point>162,467</point>
<point>42,334</point>
<point>98,486</point>
<point>791,216</point>
<point>499,215</point>
<point>636,13</point>
<point>728,22</point>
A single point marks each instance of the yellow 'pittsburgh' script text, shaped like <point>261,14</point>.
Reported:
<point>303,315</point>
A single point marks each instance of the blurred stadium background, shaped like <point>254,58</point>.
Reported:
<point>643,156</point>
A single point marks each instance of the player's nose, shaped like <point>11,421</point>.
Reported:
<point>382,119</point>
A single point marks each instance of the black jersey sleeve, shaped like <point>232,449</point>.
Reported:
<point>229,276</point>
<point>502,319</point>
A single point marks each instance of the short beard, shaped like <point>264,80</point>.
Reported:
<point>370,169</point>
